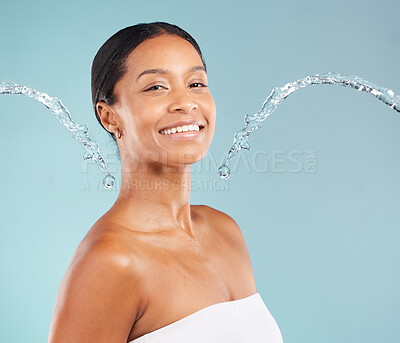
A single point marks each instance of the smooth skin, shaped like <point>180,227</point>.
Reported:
<point>153,258</point>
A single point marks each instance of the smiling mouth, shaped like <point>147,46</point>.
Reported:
<point>184,129</point>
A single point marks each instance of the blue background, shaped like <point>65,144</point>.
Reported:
<point>323,241</point>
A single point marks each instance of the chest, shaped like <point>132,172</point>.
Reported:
<point>183,279</point>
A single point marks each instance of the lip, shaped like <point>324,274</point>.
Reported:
<point>183,122</point>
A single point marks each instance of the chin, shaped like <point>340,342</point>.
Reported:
<point>185,158</point>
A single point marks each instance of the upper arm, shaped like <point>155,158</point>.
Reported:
<point>98,298</point>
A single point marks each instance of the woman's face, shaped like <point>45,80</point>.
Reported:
<point>165,88</point>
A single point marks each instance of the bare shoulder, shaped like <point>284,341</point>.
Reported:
<point>233,236</point>
<point>100,295</point>
<point>227,224</point>
<point>222,218</point>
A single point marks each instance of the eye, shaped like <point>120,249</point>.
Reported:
<point>153,88</point>
<point>199,84</point>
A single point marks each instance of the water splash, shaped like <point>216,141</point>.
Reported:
<point>278,94</point>
<point>62,114</point>
<point>252,122</point>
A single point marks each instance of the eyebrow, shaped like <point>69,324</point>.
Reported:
<point>163,71</point>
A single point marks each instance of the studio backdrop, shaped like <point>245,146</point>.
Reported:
<point>316,196</point>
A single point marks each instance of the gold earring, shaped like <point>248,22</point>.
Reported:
<point>120,133</point>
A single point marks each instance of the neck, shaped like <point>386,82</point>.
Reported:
<point>155,196</point>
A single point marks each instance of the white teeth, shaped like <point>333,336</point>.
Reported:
<point>184,128</point>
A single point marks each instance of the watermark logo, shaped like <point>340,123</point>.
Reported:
<point>253,162</point>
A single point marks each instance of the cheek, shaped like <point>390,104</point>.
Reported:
<point>210,115</point>
<point>142,118</point>
<point>211,112</point>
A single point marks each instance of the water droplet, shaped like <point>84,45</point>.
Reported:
<point>108,181</point>
<point>87,155</point>
<point>224,171</point>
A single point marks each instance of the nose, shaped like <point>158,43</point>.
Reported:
<point>183,102</point>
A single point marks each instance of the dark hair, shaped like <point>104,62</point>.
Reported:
<point>109,64</point>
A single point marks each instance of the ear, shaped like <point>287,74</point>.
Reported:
<point>108,117</point>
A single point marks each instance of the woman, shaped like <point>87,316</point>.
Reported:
<point>155,268</point>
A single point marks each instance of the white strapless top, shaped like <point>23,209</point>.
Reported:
<point>237,321</point>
